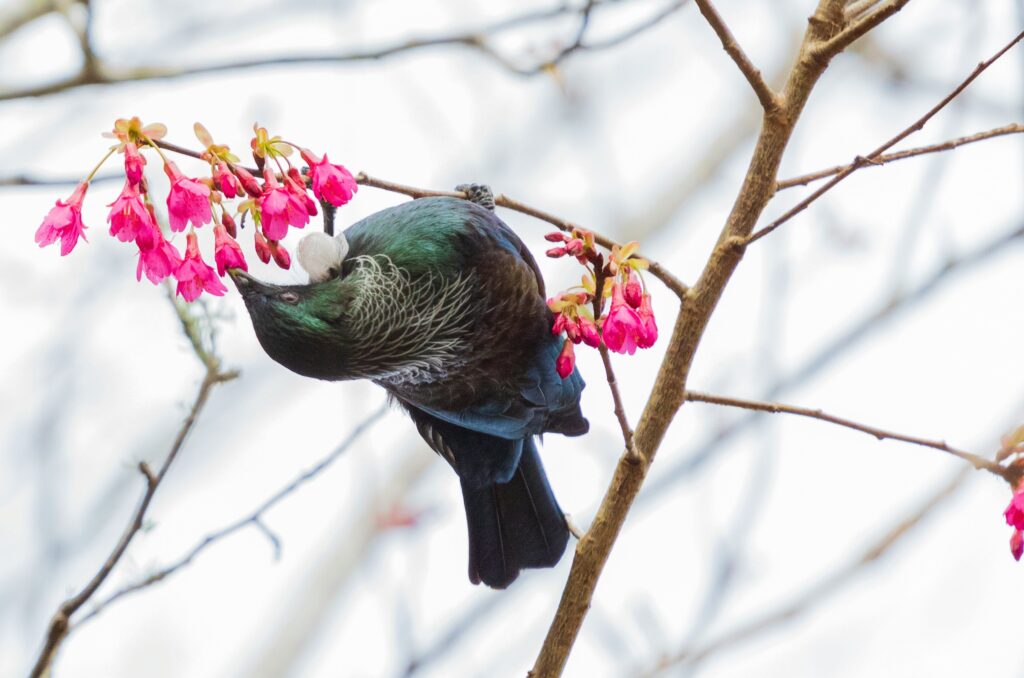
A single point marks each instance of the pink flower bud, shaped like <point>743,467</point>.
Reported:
<point>574,247</point>
<point>566,361</point>
<point>1017,544</point>
<point>572,330</point>
<point>229,224</point>
<point>262,248</point>
<point>64,221</point>
<point>556,252</point>
<point>556,236</point>
<point>633,290</point>
<point>248,182</point>
<point>280,255</point>
<point>133,163</point>
<point>588,332</point>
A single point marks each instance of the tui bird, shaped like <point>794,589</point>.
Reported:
<point>441,304</point>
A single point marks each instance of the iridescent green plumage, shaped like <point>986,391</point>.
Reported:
<point>440,303</point>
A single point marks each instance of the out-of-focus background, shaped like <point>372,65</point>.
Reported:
<point>766,546</point>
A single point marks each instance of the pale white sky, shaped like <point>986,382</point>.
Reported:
<point>97,375</point>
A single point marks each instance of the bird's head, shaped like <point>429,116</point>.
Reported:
<point>302,327</point>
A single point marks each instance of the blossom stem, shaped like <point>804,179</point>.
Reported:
<point>158,149</point>
<point>100,164</point>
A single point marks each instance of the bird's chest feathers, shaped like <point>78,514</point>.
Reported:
<point>411,330</point>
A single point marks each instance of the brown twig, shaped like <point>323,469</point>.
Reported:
<point>873,156</point>
<point>255,519</point>
<point>804,179</point>
<point>60,623</point>
<point>620,410</point>
<point>977,461</point>
<point>765,94</point>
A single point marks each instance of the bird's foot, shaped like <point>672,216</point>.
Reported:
<point>481,194</point>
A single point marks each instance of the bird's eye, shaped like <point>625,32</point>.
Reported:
<point>289,297</point>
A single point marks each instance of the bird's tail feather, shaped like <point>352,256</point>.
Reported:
<point>514,525</point>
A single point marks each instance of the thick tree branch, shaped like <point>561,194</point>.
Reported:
<point>60,624</point>
<point>977,461</point>
<point>768,98</point>
<point>873,156</point>
<point>804,179</point>
<point>667,395</point>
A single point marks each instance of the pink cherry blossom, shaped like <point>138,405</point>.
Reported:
<point>331,183</point>
<point>646,314</point>
<point>1014,513</point>
<point>189,200</point>
<point>1017,544</point>
<point>195,276</point>
<point>133,163</point>
<point>279,209</point>
<point>159,261</point>
<point>130,221</point>
<point>64,221</point>
<point>227,181</point>
<point>297,185</point>
<point>622,328</point>
<point>227,254</point>
<point>248,182</point>
<point>566,361</point>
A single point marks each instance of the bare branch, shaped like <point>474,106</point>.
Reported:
<point>620,410</point>
<point>860,26</point>
<point>819,591</point>
<point>656,269</point>
<point>60,623</point>
<point>977,461</point>
<point>765,94</point>
<point>254,519</point>
<point>803,180</point>
<point>873,156</point>
<point>94,72</point>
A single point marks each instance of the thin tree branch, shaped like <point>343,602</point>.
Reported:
<point>97,73</point>
<point>859,27</point>
<point>841,344</point>
<point>502,200</point>
<point>804,179</point>
<point>60,624</point>
<point>977,461</point>
<point>873,156</point>
<point>819,591</point>
<point>254,519</point>
<point>765,94</point>
<point>620,410</point>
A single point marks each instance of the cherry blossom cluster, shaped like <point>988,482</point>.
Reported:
<point>628,323</point>
<point>274,205</point>
<point>1013,444</point>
